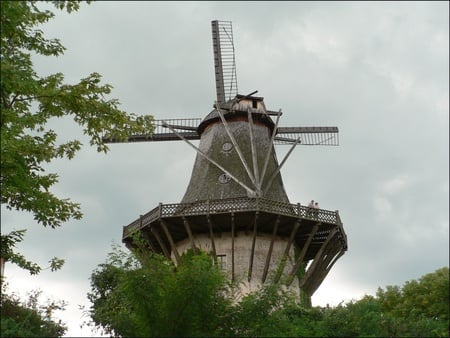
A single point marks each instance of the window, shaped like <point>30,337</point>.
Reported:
<point>222,262</point>
<point>226,147</point>
<point>224,178</point>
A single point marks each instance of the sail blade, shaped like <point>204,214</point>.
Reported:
<point>328,136</point>
<point>188,129</point>
<point>224,60</point>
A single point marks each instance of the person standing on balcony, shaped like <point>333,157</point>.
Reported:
<point>310,207</point>
<point>316,206</point>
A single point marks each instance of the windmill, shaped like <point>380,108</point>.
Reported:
<point>235,205</point>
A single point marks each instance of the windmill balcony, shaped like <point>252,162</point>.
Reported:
<point>318,233</point>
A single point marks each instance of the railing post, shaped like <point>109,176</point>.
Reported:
<point>299,210</point>
<point>160,209</point>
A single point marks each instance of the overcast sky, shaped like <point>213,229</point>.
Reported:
<point>379,71</point>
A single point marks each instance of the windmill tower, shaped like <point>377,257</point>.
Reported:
<point>235,205</point>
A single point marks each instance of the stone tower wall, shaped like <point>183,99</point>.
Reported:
<point>242,254</point>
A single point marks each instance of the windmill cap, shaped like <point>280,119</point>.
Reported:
<point>237,108</point>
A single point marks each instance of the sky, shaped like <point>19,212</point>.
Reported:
<point>379,71</point>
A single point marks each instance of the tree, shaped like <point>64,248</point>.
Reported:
<point>29,101</point>
<point>145,295</point>
<point>29,318</point>
<point>419,308</point>
<point>272,311</point>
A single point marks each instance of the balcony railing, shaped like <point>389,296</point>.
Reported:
<point>210,207</point>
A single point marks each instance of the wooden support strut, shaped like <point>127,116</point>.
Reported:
<point>275,173</point>
<point>236,146</point>
<point>171,242</point>
<point>189,232</point>
<point>291,238</point>
<point>254,155</point>
<point>252,253</point>
<point>145,234</point>
<point>317,258</point>
<point>249,190</point>
<point>269,253</point>
<point>211,235</point>
<point>316,278</point>
<point>232,245</point>
<point>286,251</point>
<point>269,150</point>
<point>302,254</point>
<point>160,242</point>
<point>324,272</point>
<point>148,240</point>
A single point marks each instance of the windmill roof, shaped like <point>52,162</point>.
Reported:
<point>214,116</point>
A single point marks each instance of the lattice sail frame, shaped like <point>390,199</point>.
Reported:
<point>325,136</point>
<point>224,60</point>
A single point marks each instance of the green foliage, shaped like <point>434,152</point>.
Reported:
<point>269,312</point>
<point>29,318</point>
<point>30,101</point>
<point>420,308</point>
<point>7,245</point>
<point>146,295</point>
<point>142,294</point>
<point>355,319</point>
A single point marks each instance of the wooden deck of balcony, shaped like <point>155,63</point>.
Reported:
<point>243,210</point>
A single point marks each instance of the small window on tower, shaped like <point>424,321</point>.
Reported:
<point>224,178</point>
<point>254,104</point>
<point>226,147</point>
<point>222,262</point>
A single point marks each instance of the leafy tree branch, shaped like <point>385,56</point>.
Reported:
<point>29,102</point>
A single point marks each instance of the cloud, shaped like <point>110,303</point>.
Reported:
<point>378,71</point>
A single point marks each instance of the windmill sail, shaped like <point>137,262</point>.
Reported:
<point>226,88</point>
<point>188,129</point>
<point>224,60</point>
<point>163,131</point>
<point>327,136</point>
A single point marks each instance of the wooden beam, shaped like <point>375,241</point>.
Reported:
<point>325,271</point>
<point>171,242</point>
<point>286,251</point>
<point>189,232</point>
<point>236,146</point>
<point>252,253</point>
<point>317,258</point>
<point>275,173</point>
<point>302,253</point>
<point>251,191</point>
<point>211,235</point>
<point>269,253</point>
<point>155,233</point>
<point>291,237</point>
<point>254,155</point>
<point>232,245</point>
<point>146,236</point>
<point>269,150</point>
<point>336,257</point>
